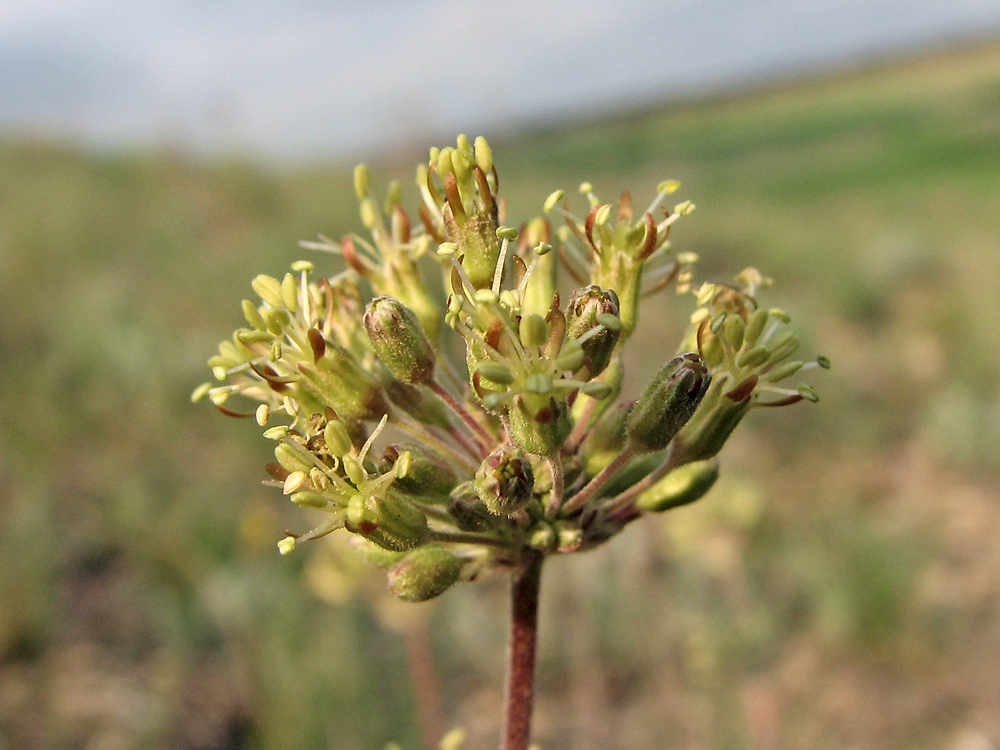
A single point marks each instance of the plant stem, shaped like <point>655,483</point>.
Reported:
<point>483,437</point>
<point>625,499</point>
<point>558,486</point>
<point>519,691</point>
<point>594,485</point>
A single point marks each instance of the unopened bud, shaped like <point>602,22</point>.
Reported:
<point>339,381</point>
<point>668,403</point>
<point>539,424</point>
<point>399,340</point>
<point>290,292</point>
<point>505,482</point>
<point>681,486</point>
<point>424,574</point>
<point>720,411</point>
<point>397,524</point>
<point>588,308</point>
<point>755,325</point>
<point>496,372</point>
<point>605,439</point>
<point>542,537</point>
<point>754,357</point>
<point>252,315</point>
<point>470,513</point>
<point>428,476</point>
<point>734,329</point>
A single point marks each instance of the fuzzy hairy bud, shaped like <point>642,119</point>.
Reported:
<point>586,306</point>
<point>428,476</point>
<point>424,574</point>
<point>669,402</point>
<point>399,340</point>
<point>505,482</point>
<point>683,485</point>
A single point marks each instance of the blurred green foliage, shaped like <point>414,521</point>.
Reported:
<point>835,589</point>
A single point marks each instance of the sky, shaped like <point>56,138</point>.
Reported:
<point>305,78</point>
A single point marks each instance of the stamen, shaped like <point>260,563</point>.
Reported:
<point>325,245</point>
<point>498,273</point>
<point>371,439</point>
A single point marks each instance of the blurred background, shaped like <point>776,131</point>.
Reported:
<point>840,587</point>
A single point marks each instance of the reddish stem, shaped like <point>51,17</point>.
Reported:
<point>519,697</point>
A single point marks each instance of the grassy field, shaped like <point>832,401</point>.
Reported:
<point>839,588</point>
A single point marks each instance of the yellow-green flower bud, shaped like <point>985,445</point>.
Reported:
<point>720,411</point>
<point>605,439</point>
<point>681,486</point>
<point>337,380</point>
<point>543,537</point>
<point>477,240</point>
<point>505,482</point>
<point>468,511</point>
<point>585,311</point>
<point>428,476</point>
<point>399,340</point>
<point>424,574</point>
<point>669,402</point>
<point>396,523</point>
<point>539,424</point>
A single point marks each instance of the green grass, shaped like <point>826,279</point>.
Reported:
<point>138,545</point>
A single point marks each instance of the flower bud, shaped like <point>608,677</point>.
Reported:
<point>337,380</point>
<point>418,402</point>
<point>668,403</point>
<point>477,241</point>
<point>605,439</point>
<point>428,476</point>
<point>714,421</point>
<point>391,522</point>
<point>504,482</point>
<point>424,574</point>
<point>399,340</point>
<point>470,513</point>
<point>543,537</point>
<point>683,485</point>
<point>539,424</point>
<point>586,305</point>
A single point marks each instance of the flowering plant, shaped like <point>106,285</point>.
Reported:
<point>446,468</point>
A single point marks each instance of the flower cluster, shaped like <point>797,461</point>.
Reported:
<point>445,467</point>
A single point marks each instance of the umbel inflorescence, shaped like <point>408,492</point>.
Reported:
<point>458,435</point>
